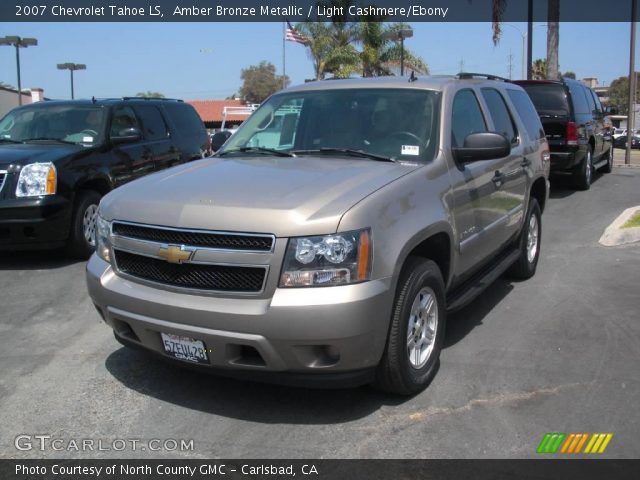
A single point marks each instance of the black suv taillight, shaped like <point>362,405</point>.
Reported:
<point>572,133</point>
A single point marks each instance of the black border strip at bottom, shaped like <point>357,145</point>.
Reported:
<point>119,469</point>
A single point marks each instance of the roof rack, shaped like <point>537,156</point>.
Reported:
<point>470,75</point>
<point>153,98</point>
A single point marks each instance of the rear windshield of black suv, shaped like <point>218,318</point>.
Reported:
<point>549,99</point>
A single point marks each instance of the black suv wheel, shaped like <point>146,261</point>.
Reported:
<point>583,173</point>
<point>82,243</point>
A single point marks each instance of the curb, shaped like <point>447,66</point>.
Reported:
<point>614,235</point>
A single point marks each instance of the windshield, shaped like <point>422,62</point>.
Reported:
<point>548,98</point>
<point>81,124</point>
<point>393,123</point>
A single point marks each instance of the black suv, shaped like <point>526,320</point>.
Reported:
<point>58,158</point>
<point>575,125</point>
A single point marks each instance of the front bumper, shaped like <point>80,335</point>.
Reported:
<point>323,333</point>
<point>31,223</point>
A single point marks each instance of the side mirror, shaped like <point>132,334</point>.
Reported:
<point>611,110</point>
<point>127,135</point>
<point>482,146</point>
<point>218,139</point>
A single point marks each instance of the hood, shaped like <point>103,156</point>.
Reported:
<point>21,154</point>
<point>278,195</point>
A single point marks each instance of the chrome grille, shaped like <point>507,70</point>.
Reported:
<point>3,177</point>
<point>223,278</point>
<point>196,238</point>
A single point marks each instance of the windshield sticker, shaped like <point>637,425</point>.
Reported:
<point>87,139</point>
<point>410,150</point>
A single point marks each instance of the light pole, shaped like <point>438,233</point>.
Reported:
<point>524,45</point>
<point>19,43</point>
<point>400,35</point>
<point>72,67</point>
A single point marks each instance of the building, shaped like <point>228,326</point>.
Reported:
<point>601,91</point>
<point>9,98</point>
<point>214,112</point>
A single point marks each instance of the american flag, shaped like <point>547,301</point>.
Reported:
<point>292,35</point>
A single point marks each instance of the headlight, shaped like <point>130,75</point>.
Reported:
<point>103,239</point>
<point>336,259</point>
<point>37,179</point>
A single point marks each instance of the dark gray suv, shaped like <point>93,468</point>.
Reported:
<point>327,240</point>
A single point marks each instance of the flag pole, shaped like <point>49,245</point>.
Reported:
<point>284,70</point>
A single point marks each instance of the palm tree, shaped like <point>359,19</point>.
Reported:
<point>553,32</point>
<point>380,54</point>
<point>150,94</point>
<point>539,70</point>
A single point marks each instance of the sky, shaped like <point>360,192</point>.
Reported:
<point>204,60</point>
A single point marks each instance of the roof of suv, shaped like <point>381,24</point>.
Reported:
<point>432,82</point>
<point>100,101</point>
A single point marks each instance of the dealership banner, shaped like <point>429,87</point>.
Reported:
<point>317,469</point>
<point>306,10</point>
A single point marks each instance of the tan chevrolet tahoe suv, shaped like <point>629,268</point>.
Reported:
<point>326,241</point>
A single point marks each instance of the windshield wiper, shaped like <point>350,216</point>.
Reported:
<point>349,151</point>
<point>8,140</point>
<point>266,151</point>
<point>49,139</point>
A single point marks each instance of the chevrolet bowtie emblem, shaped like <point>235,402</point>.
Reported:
<point>175,254</point>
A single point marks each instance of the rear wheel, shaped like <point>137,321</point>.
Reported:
<point>411,357</point>
<point>609,166</point>
<point>82,243</point>
<point>583,172</point>
<point>529,244</point>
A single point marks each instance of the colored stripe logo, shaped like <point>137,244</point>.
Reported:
<point>573,443</point>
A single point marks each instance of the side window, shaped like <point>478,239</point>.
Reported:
<point>152,122</point>
<point>500,114</point>
<point>599,108</point>
<point>466,117</point>
<point>580,104</point>
<point>590,101</point>
<point>527,113</point>
<point>123,119</point>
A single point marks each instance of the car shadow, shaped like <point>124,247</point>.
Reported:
<point>35,260</point>
<point>462,322</point>
<point>243,400</point>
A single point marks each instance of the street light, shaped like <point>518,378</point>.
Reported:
<point>524,43</point>
<point>400,35</point>
<point>72,67</point>
<point>19,43</point>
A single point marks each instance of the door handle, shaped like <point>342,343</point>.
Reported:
<point>498,178</point>
<point>525,163</point>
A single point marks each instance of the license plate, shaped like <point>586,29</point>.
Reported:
<point>184,348</point>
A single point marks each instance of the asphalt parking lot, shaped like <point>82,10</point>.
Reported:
<point>557,353</point>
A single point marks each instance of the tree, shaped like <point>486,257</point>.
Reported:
<point>568,74</point>
<point>260,81</point>
<point>379,53</point>
<point>150,94</point>
<point>619,93</point>
<point>7,85</point>
<point>553,32</point>
<point>539,69</point>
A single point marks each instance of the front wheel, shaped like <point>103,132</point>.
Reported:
<point>82,240</point>
<point>529,244</point>
<point>412,353</point>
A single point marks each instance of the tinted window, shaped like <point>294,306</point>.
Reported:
<point>596,100</point>
<point>500,114</point>
<point>466,117</point>
<point>580,104</point>
<point>123,119</point>
<point>152,122</point>
<point>590,101</point>
<point>548,98</point>
<point>527,113</point>
<point>185,119</point>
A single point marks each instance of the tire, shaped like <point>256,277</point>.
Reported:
<point>86,206</point>
<point>584,172</point>
<point>609,166</point>
<point>525,266</point>
<point>421,288</point>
